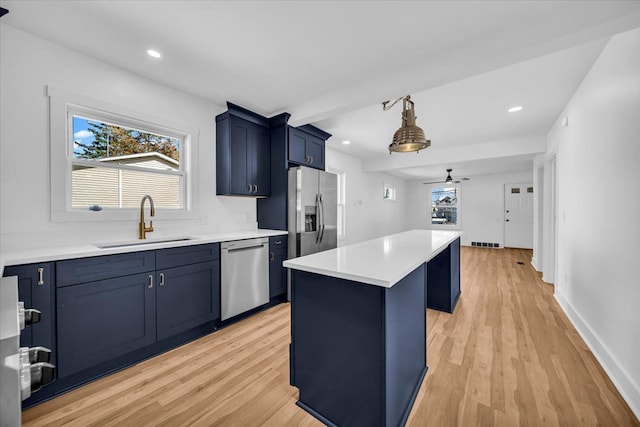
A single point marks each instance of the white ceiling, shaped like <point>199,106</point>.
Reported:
<point>332,63</point>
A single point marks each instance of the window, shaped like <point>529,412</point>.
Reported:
<point>388,193</point>
<point>444,205</point>
<point>114,165</point>
<point>105,157</point>
<point>341,196</point>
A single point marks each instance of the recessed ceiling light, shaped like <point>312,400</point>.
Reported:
<point>345,142</point>
<point>514,109</point>
<point>153,53</point>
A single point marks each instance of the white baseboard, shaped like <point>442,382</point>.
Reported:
<point>534,263</point>
<point>629,391</point>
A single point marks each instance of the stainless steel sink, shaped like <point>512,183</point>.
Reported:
<point>142,242</point>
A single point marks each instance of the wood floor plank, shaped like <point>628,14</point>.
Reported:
<point>507,356</point>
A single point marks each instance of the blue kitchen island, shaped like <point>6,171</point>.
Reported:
<point>358,327</point>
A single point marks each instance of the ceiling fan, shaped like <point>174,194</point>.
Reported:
<point>448,180</point>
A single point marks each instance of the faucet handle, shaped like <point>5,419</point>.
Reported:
<point>150,226</point>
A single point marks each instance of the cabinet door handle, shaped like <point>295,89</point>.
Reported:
<point>311,157</point>
<point>40,276</point>
<point>249,188</point>
<point>255,188</point>
<point>161,279</point>
<point>273,257</point>
<point>278,242</point>
<point>150,281</point>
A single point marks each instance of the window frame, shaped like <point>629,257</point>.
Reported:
<point>63,106</point>
<point>341,200</point>
<point>458,206</point>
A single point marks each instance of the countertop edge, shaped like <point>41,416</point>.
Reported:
<point>368,279</point>
<point>58,253</point>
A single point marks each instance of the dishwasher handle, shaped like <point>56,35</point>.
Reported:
<point>244,248</point>
<point>243,244</point>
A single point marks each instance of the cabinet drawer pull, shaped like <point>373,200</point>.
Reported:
<point>273,257</point>
<point>40,276</point>
<point>161,279</point>
<point>278,242</point>
<point>150,281</point>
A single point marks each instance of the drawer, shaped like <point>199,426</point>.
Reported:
<point>175,257</point>
<point>83,270</point>
<point>277,242</point>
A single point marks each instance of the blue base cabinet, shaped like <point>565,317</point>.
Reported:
<point>187,297</point>
<point>277,273</point>
<point>443,279</point>
<point>36,288</point>
<point>99,321</point>
<point>358,351</point>
<point>112,311</point>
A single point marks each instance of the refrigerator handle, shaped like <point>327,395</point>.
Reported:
<point>322,219</point>
<point>319,219</point>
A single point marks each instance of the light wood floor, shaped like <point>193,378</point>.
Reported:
<point>508,356</point>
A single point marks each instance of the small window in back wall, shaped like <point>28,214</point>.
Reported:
<point>529,189</point>
<point>515,190</point>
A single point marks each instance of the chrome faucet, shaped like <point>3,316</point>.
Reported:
<point>142,227</point>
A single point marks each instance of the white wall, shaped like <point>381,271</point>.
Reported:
<point>27,65</point>
<point>367,215</point>
<point>599,211</point>
<point>481,206</point>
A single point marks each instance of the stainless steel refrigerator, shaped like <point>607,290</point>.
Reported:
<point>313,211</point>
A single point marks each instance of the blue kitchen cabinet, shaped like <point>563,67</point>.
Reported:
<point>443,279</point>
<point>112,306</point>
<point>304,145</point>
<point>187,297</point>
<point>242,153</point>
<point>35,289</point>
<point>188,292</point>
<point>306,149</point>
<point>277,273</point>
<point>103,320</point>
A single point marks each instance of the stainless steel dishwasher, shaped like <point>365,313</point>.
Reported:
<point>244,274</point>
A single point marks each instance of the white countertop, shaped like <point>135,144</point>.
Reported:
<point>57,253</point>
<point>381,262</point>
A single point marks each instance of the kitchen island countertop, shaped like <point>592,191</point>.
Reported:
<point>382,262</point>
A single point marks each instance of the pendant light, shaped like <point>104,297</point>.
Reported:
<point>409,137</point>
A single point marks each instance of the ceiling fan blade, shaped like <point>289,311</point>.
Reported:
<point>465,179</point>
<point>434,182</point>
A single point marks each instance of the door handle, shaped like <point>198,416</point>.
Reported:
<point>161,279</point>
<point>40,276</point>
<point>507,220</point>
<point>150,281</point>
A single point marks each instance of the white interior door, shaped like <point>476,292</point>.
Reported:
<point>518,216</point>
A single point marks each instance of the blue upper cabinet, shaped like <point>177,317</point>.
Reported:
<point>242,153</point>
<point>306,148</point>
